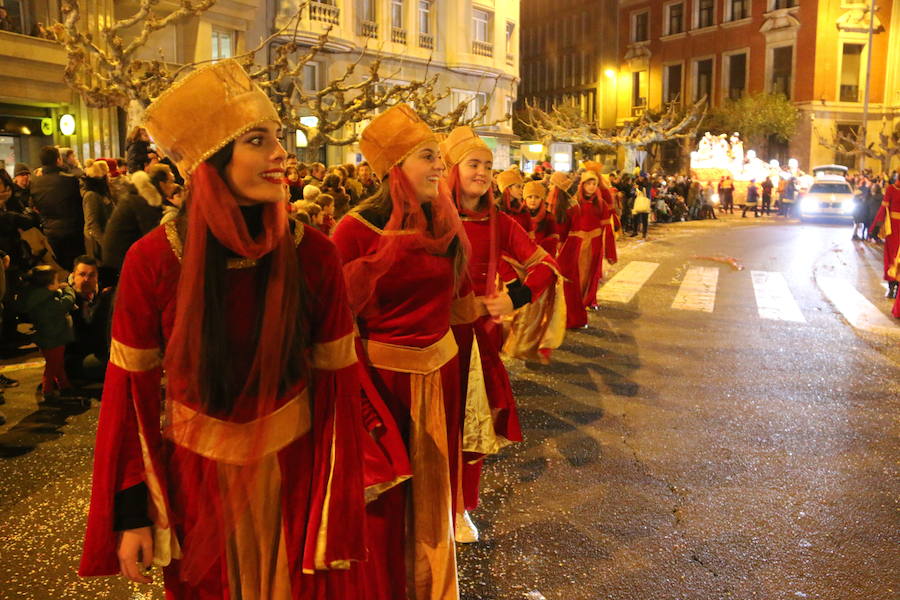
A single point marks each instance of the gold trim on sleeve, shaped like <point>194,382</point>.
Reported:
<point>135,360</point>
<point>335,355</point>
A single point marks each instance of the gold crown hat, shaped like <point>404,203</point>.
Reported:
<point>593,165</point>
<point>561,180</point>
<point>392,136</point>
<point>534,188</point>
<point>588,175</point>
<point>460,142</point>
<point>199,115</point>
<point>509,177</point>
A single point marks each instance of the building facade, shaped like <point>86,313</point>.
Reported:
<point>813,52</point>
<point>34,99</point>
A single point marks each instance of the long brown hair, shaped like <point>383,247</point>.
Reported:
<point>218,391</point>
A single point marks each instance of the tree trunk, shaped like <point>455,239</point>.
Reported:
<point>135,111</point>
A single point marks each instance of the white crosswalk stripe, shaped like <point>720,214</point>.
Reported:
<point>625,284</point>
<point>858,311</point>
<point>698,290</point>
<point>774,299</point>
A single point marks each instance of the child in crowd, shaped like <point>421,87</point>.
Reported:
<point>326,202</point>
<point>47,301</point>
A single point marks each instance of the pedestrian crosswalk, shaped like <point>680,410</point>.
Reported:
<point>775,301</point>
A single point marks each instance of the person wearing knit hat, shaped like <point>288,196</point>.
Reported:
<point>495,237</point>
<point>247,487</point>
<point>540,327</point>
<point>587,235</point>
<point>404,252</point>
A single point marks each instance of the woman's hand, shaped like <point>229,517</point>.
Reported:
<point>498,305</point>
<point>136,551</point>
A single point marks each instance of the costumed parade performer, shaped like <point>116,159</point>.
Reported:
<point>889,214</point>
<point>587,234</point>
<point>539,327</point>
<point>251,483</point>
<point>404,253</point>
<point>490,419</point>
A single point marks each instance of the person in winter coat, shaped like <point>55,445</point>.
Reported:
<point>294,182</point>
<point>55,195</point>
<point>137,150</point>
<point>137,214</point>
<point>752,199</point>
<point>46,302</point>
<point>98,207</point>
<point>21,196</point>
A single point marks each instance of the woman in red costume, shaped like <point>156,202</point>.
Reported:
<point>251,484</point>
<point>510,183</point>
<point>404,254</point>
<point>889,214</point>
<point>540,327</point>
<point>494,236</point>
<point>587,233</point>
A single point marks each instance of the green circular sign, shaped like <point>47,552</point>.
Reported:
<point>47,126</point>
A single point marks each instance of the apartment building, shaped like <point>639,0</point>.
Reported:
<point>815,52</point>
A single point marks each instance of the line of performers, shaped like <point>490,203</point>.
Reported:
<point>327,404</point>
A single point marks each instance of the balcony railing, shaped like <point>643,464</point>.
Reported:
<point>398,35</point>
<point>325,13</point>
<point>849,93</point>
<point>510,58</point>
<point>482,48</point>
<point>426,40</point>
<point>368,29</point>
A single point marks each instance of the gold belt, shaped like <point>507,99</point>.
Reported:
<point>409,359</point>
<point>239,443</point>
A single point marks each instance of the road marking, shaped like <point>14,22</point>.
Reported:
<point>773,297</point>
<point>627,283</point>
<point>855,307</point>
<point>698,290</point>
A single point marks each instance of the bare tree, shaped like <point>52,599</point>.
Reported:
<point>854,143</point>
<point>567,124</point>
<point>107,73</point>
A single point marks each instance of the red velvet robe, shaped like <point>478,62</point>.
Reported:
<point>512,242</point>
<point>315,468</point>
<point>889,212</point>
<point>546,233</point>
<point>582,263</point>
<point>410,308</point>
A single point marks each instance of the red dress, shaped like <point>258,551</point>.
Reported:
<point>412,360</point>
<point>889,212</point>
<point>587,237</point>
<point>514,247</point>
<point>298,531</point>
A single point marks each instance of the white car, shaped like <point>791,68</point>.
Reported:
<point>829,197</point>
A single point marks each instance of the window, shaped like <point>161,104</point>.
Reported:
<point>851,58</point>
<point>737,75</point>
<point>424,16</point>
<point>475,101</point>
<point>510,34</point>
<point>703,71</point>
<point>737,9</point>
<point>672,83</point>
<point>397,14</point>
<point>845,156</point>
<point>638,90</point>
<point>640,27</point>
<point>779,4</point>
<point>509,111</point>
<point>481,25</point>
<point>782,59</point>
<point>367,10</point>
<point>311,77</point>
<point>222,44</point>
<point>705,13</point>
<point>675,19</point>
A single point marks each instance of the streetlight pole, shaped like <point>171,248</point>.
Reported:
<point>863,134</point>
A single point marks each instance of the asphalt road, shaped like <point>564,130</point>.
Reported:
<point>670,452</point>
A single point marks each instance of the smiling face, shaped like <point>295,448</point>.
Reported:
<point>533,201</point>
<point>424,168</point>
<point>256,171</point>
<point>475,174</point>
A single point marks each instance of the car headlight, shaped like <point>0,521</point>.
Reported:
<point>809,205</point>
<point>848,206</point>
